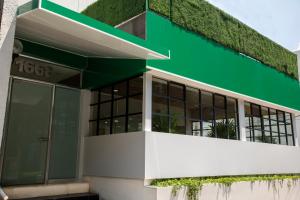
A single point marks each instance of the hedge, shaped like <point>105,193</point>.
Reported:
<point>201,17</point>
<point>114,12</point>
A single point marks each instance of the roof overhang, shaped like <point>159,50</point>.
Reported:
<point>45,22</point>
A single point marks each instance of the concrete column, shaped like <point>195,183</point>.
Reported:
<point>85,99</point>
<point>7,34</point>
<point>147,102</point>
<point>242,124</point>
<point>296,128</point>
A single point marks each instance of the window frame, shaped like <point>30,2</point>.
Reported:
<point>200,104</point>
<point>112,101</point>
<point>273,134</point>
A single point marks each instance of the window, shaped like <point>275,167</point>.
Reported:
<point>268,125</point>
<point>177,108</point>
<point>117,108</point>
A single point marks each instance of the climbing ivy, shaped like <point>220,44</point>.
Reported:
<point>194,185</point>
<point>114,12</point>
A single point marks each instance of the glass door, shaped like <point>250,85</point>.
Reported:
<point>27,133</point>
<point>64,136</point>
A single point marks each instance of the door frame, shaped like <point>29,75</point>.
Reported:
<point>52,107</point>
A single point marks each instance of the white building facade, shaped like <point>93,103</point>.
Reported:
<point>81,101</point>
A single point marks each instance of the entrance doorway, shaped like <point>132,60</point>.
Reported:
<point>41,140</point>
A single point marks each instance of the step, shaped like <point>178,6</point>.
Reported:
<point>81,196</point>
<point>32,191</point>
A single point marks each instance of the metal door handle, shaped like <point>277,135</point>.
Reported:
<point>43,139</point>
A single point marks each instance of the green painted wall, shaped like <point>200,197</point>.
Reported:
<point>200,59</point>
<point>205,19</point>
<point>101,72</point>
<point>96,72</point>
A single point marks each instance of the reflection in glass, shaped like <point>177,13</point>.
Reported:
<point>160,105</point>
<point>134,123</point>
<point>192,103</point>
<point>119,107</point>
<point>120,90</point>
<point>118,125</point>
<point>176,91</point>
<point>160,123</point>
<point>135,104</point>
<point>105,110</point>
<point>159,87</point>
<point>104,127</point>
<point>135,86</point>
<point>105,94</point>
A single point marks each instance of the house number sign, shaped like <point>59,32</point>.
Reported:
<point>30,67</point>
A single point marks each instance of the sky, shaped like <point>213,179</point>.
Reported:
<point>279,20</point>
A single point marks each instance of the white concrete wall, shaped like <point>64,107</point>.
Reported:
<point>170,156</point>
<point>161,155</point>
<point>7,34</point>
<point>239,191</point>
<point>119,155</point>
<point>120,189</point>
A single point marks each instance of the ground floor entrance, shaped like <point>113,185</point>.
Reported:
<point>41,135</point>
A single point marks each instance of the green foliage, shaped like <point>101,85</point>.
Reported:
<point>114,12</point>
<point>201,17</point>
<point>223,130</point>
<point>194,185</point>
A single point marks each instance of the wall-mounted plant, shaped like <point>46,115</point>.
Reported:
<point>194,185</point>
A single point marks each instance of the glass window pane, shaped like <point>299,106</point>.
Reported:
<point>135,104</point>
<point>290,140</point>
<point>176,108</point>
<point>281,127</point>
<point>120,90</point>
<point>105,94</point>
<point>219,101</point>
<point>207,114</point>
<point>266,121</point>
<point>289,129</point>
<point>104,127</point>
<point>134,123</point>
<point>267,137</point>
<point>258,136</point>
<point>280,116</point>
<point>283,139</point>
<point>255,110</point>
<point>159,87</point>
<point>105,110</point>
<point>160,123</point>
<point>247,109</point>
<point>94,97</point>
<point>192,103</point>
<point>119,107</point>
<point>220,124</point>
<point>93,112</point>
<point>93,128</point>
<point>288,118</point>
<point>136,86</point>
<point>176,91</point>
<point>160,105</point>
<point>193,127</point>
<point>118,125</point>
<point>231,105</point>
<point>177,125</point>
<point>274,125</point>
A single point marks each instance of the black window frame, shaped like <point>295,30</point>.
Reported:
<point>273,134</point>
<point>112,100</point>
<point>200,103</point>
